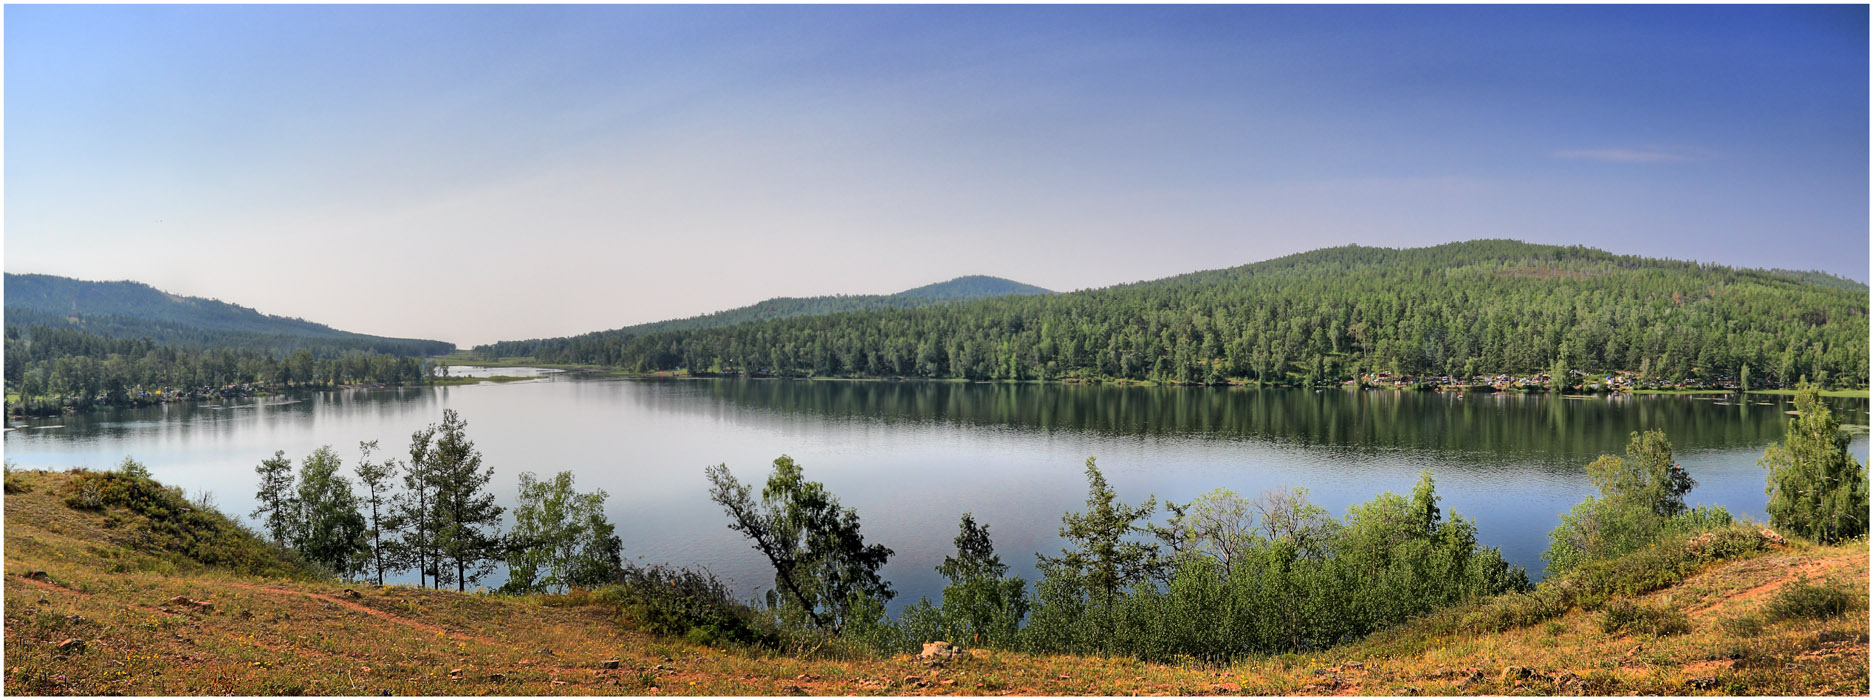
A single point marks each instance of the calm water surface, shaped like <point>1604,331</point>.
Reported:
<point>913,456</point>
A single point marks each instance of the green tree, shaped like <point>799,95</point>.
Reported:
<point>276,509</point>
<point>331,532</point>
<point>828,574</point>
<point>383,524</point>
<point>560,537</point>
<point>982,604</point>
<point>1101,557</point>
<point>1646,477</point>
<point>466,520</point>
<point>1816,488</point>
<point>414,511</point>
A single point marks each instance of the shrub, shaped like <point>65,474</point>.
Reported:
<point>684,602</point>
<point>1624,615</point>
<point>1802,600</point>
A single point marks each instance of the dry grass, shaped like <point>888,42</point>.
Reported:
<point>272,637</point>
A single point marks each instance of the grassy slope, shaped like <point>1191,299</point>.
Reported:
<point>278,637</point>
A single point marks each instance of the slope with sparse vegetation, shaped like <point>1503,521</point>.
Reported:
<point>99,600</point>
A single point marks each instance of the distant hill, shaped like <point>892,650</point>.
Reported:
<point>135,310</point>
<point>1320,318</point>
<point>959,289</point>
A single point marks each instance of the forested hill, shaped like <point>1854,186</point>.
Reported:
<point>1460,309</point>
<point>961,288</point>
<point>135,310</point>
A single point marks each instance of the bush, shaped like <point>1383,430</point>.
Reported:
<point>689,603</point>
<point>1802,600</point>
<point>1624,615</point>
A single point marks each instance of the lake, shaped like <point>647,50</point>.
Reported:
<point>911,457</point>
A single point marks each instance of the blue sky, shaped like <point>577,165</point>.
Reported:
<point>478,173</point>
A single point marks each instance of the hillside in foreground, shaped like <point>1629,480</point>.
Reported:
<point>110,602</point>
<point>128,309</point>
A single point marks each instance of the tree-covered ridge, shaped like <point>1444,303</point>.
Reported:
<point>135,310</point>
<point>1459,309</point>
<point>961,288</point>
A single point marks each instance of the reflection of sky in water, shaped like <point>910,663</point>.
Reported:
<point>912,457</point>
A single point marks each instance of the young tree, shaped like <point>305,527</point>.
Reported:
<point>277,509</point>
<point>982,604</point>
<point>331,531</point>
<point>1646,477</point>
<point>1816,488</point>
<point>375,477</point>
<point>820,558</point>
<point>560,537</point>
<point>465,518</point>
<point>1101,557</point>
<point>414,511</point>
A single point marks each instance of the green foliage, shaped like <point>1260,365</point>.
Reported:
<point>560,538</point>
<point>982,606</point>
<point>1625,615</point>
<point>1598,530</point>
<point>465,542</point>
<point>165,523</point>
<point>1816,488</point>
<point>1272,575</point>
<point>276,506</point>
<point>824,573</point>
<point>1641,501</point>
<point>132,469</point>
<point>688,603</point>
<point>1646,477</point>
<point>1099,555</point>
<point>329,530</point>
<point>1507,306</point>
<point>384,524</point>
<point>1803,600</point>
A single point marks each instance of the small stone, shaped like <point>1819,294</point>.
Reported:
<point>947,681</point>
<point>181,600</point>
<point>73,644</point>
<point>610,663</point>
<point>1514,673</point>
<point>455,672</point>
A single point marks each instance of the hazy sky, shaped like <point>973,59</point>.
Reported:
<point>482,173</point>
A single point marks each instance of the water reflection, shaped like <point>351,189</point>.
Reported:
<point>912,456</point>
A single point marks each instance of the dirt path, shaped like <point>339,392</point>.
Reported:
<point>368,610</point>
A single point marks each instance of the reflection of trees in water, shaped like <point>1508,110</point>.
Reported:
<point>1366,420</point>
<point>226,417</point>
